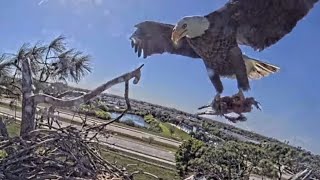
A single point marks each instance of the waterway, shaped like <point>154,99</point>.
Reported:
<point>137,120</point>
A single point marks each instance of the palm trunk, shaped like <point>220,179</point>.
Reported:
<point>28,103</point>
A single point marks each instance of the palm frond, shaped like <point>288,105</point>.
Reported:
<point>53,61</point>
<point>58,44</point>
<point>23,51</point>
<point>80,66</point>
<point>72,65</point>
<point>5,65</point>
<point>38,51</point>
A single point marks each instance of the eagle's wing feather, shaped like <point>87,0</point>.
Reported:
<point>155,38</point>
<point>262,23</point>
<point>257,69</point>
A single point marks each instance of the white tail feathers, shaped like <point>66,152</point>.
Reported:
<point>257,69</point>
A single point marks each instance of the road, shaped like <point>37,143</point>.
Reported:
<point>120,143</point>
<point>113,127</point>
<point>121,129</point>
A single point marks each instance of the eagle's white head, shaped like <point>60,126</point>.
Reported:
<point>190,27</point>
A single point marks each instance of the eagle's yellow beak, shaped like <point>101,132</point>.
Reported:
<point>177,34</point>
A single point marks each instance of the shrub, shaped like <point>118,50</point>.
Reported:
<point>102,115</point>
<point>154,124</point>
<point>103,107</point>
<point>3,154</point>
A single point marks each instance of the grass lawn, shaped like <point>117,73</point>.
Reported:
<point>123,161</point>
<point>13,129</point>
<point>174,133</point>
<point>177,133</point>
<point>165,130</point>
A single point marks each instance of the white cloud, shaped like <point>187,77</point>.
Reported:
<point>42,2</point>
<point>81,2</point>
<point>74,3</point>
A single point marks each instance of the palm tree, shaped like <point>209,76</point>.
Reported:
<point>33,68</point>
<point>47,63</point>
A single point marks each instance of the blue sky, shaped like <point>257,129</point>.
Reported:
<point>101,28</point>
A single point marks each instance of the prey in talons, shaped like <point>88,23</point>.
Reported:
<point>234,104</point>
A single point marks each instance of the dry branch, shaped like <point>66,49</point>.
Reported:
<point>71,93</point>
<point>43,98</point>
<point>126,95</point>
<point>82,97</point>
<point>99,128</point>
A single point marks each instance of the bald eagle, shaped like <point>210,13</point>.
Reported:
<point>215,37</point>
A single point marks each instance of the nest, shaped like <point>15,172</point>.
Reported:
<point>231,104</point>
<point>55,154</point>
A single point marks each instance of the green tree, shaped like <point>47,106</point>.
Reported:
<point>229,160</point>
<point>266,169</point>
<point>102,114</point>
<point>188,152</point>
<point>280,155</point>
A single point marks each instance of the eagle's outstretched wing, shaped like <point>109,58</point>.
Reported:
<point>155,38</point>
<point>262,23</point>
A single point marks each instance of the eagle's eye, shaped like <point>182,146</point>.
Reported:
<point>184,26</point>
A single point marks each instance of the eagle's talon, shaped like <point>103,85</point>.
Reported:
<point>240,95</point>
<point>258,105</point>
<point>205,106</point>
<point>217,98</point>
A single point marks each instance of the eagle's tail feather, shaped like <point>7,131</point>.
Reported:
<point>257,69</point>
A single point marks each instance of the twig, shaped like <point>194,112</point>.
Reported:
<point>100,127</point>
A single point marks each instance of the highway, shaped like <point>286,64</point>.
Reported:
<point>121,129</point>
<point>112,127</point>
<point>120,143</point>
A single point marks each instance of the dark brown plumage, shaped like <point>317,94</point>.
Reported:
<point>154,38</point>
<point>215,37</point>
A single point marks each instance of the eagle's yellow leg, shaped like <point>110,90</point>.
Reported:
<point>240,95</point>
<point>216,103</point>
<point>217,97</point>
